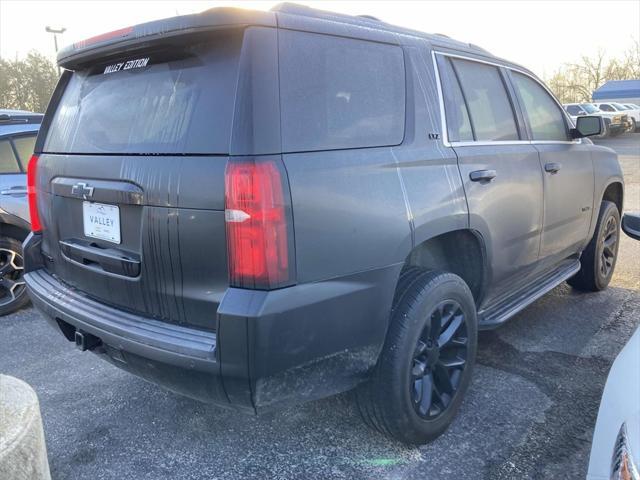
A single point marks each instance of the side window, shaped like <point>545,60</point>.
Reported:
<point>574,110</point>
<point>490,110</point>
<point>545,117</point>
<point>8,163</point>
<point>339,93</point>
<point>606,108</point>
<point>24,146</point>
<point>458,123</point>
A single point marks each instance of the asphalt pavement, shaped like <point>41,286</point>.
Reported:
<point>530,411</point>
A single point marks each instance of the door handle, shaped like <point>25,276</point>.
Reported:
<point>552,167</point>
<point>14,191</point>
<point>112,260</point>
<point>482,175</point>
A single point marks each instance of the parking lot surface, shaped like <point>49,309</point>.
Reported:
<point>530,411</point>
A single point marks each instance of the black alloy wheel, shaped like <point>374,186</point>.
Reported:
<point>609,246</point>
<point>598,260</point>
<point>439,360</point>
<point>426,363</point>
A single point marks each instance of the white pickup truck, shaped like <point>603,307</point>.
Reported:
<point>633,113</point>
<point>614,122</point>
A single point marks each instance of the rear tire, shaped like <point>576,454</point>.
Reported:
<point>598,261</point>
<point>13,292</point>
<point>427,360</point>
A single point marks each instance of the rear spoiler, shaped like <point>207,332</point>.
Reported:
<point>147,34</point>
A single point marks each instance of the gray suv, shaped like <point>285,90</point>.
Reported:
<point>18,130</point>
<point>257,209</point>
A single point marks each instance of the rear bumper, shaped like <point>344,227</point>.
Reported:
<point>269,349</point>
<point>182,359</point>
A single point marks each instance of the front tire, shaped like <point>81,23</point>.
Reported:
<point>598,261</point>
<point>13,292</point>
<point>427,360</point>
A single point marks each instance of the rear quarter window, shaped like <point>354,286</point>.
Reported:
<point>339,93</point>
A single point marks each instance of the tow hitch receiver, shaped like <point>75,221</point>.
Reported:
<point>86,341</point>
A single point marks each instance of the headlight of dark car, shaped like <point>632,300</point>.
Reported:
<point>623,466</point>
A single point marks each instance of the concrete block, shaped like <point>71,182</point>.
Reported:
<point>23,454</point>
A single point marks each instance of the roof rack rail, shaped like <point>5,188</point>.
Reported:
<point>359,20</point>
<point>297,9</point>
<point>370,17</point>
<point>477,47</point>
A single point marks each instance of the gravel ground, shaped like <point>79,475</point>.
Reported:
<point>530,411</point>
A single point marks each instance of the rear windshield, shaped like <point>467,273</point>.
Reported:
<point>176,101</point>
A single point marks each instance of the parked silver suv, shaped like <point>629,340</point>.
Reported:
<point>18,130</point>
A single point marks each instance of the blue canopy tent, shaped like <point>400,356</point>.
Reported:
<point>621,91</point>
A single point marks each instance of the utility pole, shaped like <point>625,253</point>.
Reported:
<point>55,32</point>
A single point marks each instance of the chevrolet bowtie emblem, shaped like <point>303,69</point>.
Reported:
<point>81,189</point>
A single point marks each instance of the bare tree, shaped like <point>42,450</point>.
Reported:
<point>575,82</point>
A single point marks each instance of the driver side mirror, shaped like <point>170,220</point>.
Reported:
<point>587,127</point>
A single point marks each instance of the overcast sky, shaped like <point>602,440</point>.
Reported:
<point>541,35</point>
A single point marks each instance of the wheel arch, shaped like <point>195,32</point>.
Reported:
<point>614,192</point>
<point>14,227</point>
<point>461,252</point>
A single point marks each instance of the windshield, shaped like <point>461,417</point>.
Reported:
<point>590,108</point>
<point>168,102</point>
<point>619,107</point>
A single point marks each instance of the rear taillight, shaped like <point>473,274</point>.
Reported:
<point>32,170</point>
<point>258,225</point>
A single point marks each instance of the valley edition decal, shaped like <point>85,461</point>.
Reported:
<point>116,67</point>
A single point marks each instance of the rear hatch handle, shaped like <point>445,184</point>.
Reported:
<point>111,260</point>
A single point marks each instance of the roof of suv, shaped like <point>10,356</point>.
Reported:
<point>369,21</point>
<point>9,111</point>
<point>22,128</point>
<point>284,15</point>
<point>19,121</point>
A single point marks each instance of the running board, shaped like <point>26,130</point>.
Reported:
<point>495,315</point>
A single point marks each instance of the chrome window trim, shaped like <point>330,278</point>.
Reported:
<point>443,116</point>
<point>489,142</point>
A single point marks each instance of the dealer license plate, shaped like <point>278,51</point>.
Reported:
<point>101,221</point>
